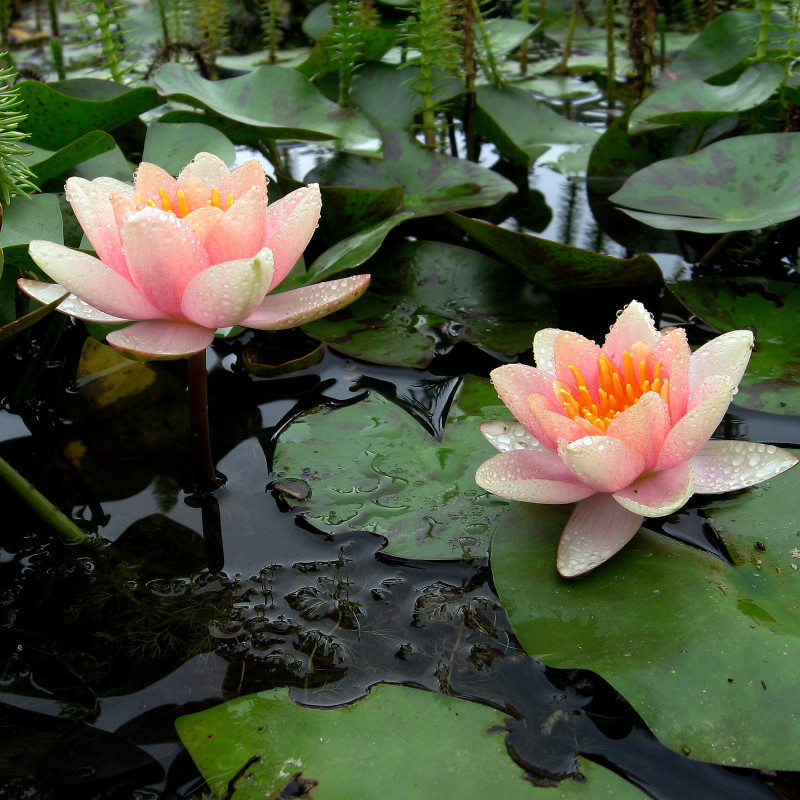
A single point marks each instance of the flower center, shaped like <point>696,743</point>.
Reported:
<point>616,390</point>
<point>181,206</point>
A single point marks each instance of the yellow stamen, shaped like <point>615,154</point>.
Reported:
<point>165,202</point>
<point>215,199</point>
<point>183,203</point>
<point>229,201</point>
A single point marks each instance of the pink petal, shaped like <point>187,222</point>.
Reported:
<point>726,355</point>
<point>91,203</point>
<point>674,353</point>
<point>515,383</point>
<point>708,406</point>
<point>298,306</point>
<point>544,344</point>
<point>207,167</point>
<point>224,294</point>
<point>727,466</point>
<point>149,178</point>
<point>163,255</point>
<point>239,232</point>
<point>203,220</point>
<point>530,476</point>
<point>197,194</point>
<point>92,281</point>
<point>598,529</point>
<point>242,179</point>
<point>160,340</point>
<point>46,293</point>
<point>634,324</point>
<point>509,436</point>
<point>291,222</point>
<point>644,426</point>
<point>656,494</point>
<point>602,462</point>
<point>577,351</point>
<point>549,423</point>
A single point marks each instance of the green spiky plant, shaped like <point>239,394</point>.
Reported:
<point>16,179</point>
<point>346,35</point>
<point>268,13</point>
<point>213,24</point>
<point>104,23</point>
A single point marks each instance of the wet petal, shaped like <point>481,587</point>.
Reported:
<point>644,426</point>
<point>291,222</point>
<point>163,255</point>
<point>549,423</point>
<point>149,178</point>
<point>656,494</point>
<point>530,476</point>
<point>47,293</point>
<point>224,294</point>
<point>544,344</point>
<point>726,355</point>
<point>727,466</point>
<point>572,349</point>
<point>694,429</point>
<point>602,462</point>
<point>597,529</point>
<point>203,220</point>
<point>634,324</point>
<point>242,179</point>
<point>298,306</point>
<point>92,281</point>
<point>510,436</point>
<point>672,349</point>
<point>207,167</point>
<point>160,340</point>
<point>91,203</point>
<point>239,232</point>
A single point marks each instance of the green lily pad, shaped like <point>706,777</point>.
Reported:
<point>269,103</point>
<point>26,218</point>
<point>769,309</point>
<point>693,102</point>
<point>433,183</point>
<point>726,43</point>
<point>173,146</point>
<point>705,652</point>
<point>371,467</point>
<point>560,267</point>
<point>347,210</point>
<point>737,184</point>
<point>59,113</point>
<point>47,164</point>
<point>394,743</point>
<point>425,297</point>
<point>523,128</point>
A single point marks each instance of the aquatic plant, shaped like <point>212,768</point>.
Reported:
<point>622,429</point>
<point>16,178</point>
<point>108,18</point>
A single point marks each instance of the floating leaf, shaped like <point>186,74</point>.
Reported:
<point>427,296</point>
<point>705,652</point>
<point>523,128</point>
<point>394,743</point>
<point>433,183</point>
<point>24,219</point>
<point>560,267</point>
<point>268,103</point>
<point>769,309</point>
<point>372,468</point>
<point>59,113</point>
<point>47,164</point>
<point>737,184</point>
<point>173,146</point>
<point>693,102</point>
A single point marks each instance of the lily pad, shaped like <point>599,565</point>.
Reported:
<point>693,102</point>
<point>768,308</point>
<point>738,184</point>
<point>26,218</point>
<point>60,113</point>
<point>47,164</point>
<point>173,146</point>
<point>433,183</point>
<point>560,267</point>
<point>705,652</point>
<point>525,129</point>
<point>394,743</point>
<point>371,467</point>
<point>427,296</point>
<point>269,103</point>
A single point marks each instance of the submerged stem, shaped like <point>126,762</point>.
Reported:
<point>198,422</point>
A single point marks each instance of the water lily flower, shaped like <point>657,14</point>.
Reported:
<point>622,430</point>
<point>183,257</point>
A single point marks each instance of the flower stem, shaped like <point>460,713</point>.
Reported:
<point>48,511</point>
<point>198,422</point>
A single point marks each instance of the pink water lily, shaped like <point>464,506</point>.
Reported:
<point>622,429</point>
<point>184,257</point>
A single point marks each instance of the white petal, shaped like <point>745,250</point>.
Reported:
<point>160,340</point>
<point>726,355</point>
<point>510,436</point>
<point>726,466</point>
